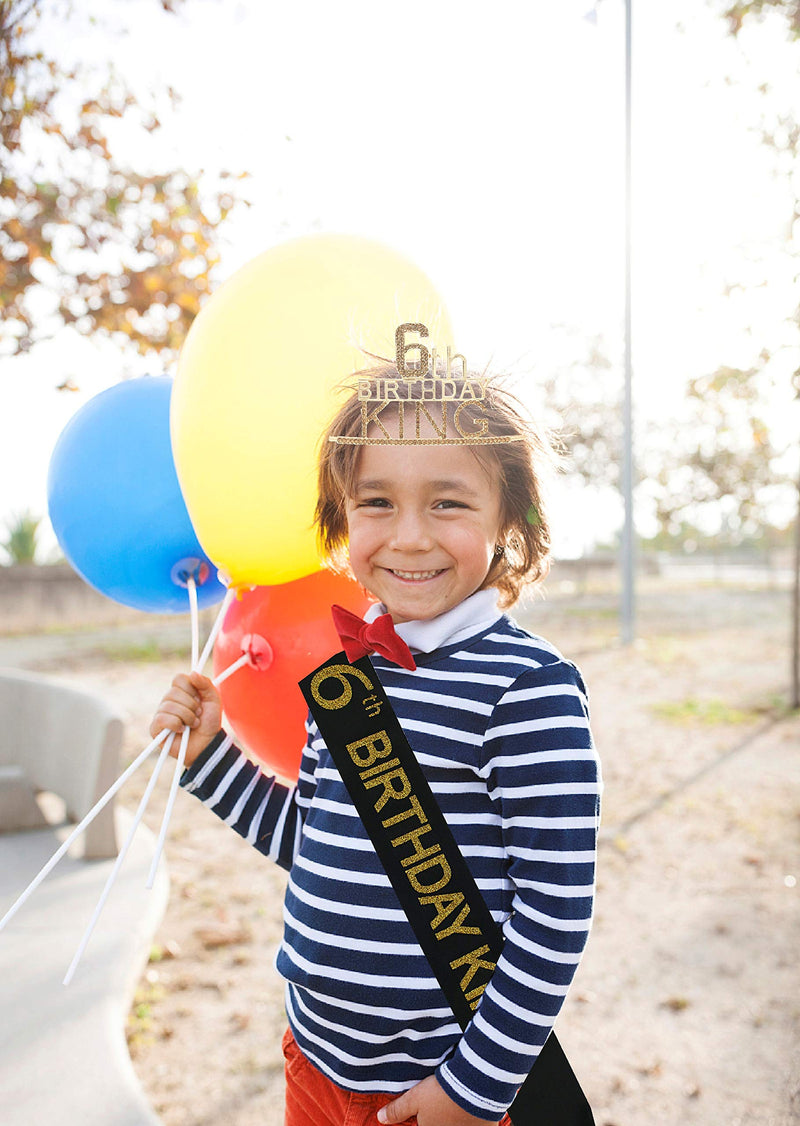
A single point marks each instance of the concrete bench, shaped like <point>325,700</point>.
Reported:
<point>63,1056</point>
<point>58,740</point>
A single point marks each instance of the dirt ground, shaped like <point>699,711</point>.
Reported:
<point>686,1008</point>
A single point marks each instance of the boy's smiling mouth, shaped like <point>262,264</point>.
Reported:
<point>415,576</point>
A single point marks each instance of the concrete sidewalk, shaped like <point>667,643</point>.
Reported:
<point>63,1055</point>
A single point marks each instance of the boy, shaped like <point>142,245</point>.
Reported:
<point>442,520</point>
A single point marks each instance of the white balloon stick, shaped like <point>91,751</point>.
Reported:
<point>230,594</point>
<point>173,790</point>
<point>197,666</point>
<point>195,620</point>
<point>192,590</point>
<point>197,663</point>
<point>120,858</point>
<point>76,832</point>
<point>231,669</point>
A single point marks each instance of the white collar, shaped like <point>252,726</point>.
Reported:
<point>469,617</point>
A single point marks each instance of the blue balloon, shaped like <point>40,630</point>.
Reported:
<point>116,506</point>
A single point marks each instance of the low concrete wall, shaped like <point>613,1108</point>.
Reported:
<point>35,598</point>
<point>38,598</point>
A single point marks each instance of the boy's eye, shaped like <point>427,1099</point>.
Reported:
<point>450,504</point>
<point>374,502</point>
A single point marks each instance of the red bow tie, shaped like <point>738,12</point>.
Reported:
<point>360,638</point>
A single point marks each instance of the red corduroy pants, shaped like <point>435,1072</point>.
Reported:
<point>313,1100</point>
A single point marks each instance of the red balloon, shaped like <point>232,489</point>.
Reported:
<point>287,631</point>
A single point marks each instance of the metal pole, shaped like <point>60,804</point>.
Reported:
<point>628,535</point>
<point>794,690</point>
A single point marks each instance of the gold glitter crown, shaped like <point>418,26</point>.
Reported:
<point>427,386</point>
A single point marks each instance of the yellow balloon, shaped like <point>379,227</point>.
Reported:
<point>254,391</point>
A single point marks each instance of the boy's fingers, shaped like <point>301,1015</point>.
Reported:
<point>183,683</point>
<point>183,703</point>
<point>175,718</point>
<point>192,701</point>
<point>203,687</point>
<point>400,1110</point>
<point>183,699</point>
<point>181,707</point>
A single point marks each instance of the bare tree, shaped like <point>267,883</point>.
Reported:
<point>121,253</point>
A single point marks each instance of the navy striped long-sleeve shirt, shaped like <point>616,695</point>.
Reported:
<point>499,724</point>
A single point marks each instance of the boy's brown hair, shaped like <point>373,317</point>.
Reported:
<point>523,552</point>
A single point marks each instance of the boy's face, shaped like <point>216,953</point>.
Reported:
<point>423,524</point>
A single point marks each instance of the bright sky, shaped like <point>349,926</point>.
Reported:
<point>486,146</point>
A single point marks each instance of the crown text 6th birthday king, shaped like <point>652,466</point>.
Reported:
<point>453,405</point>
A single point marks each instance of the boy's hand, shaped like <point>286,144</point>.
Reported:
<point>192,701</point>
<point>431,1106</point>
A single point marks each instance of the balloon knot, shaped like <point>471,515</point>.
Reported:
<point>191,568</point>
<point>258,650</point>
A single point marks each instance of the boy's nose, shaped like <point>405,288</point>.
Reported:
<point>410,532</point>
